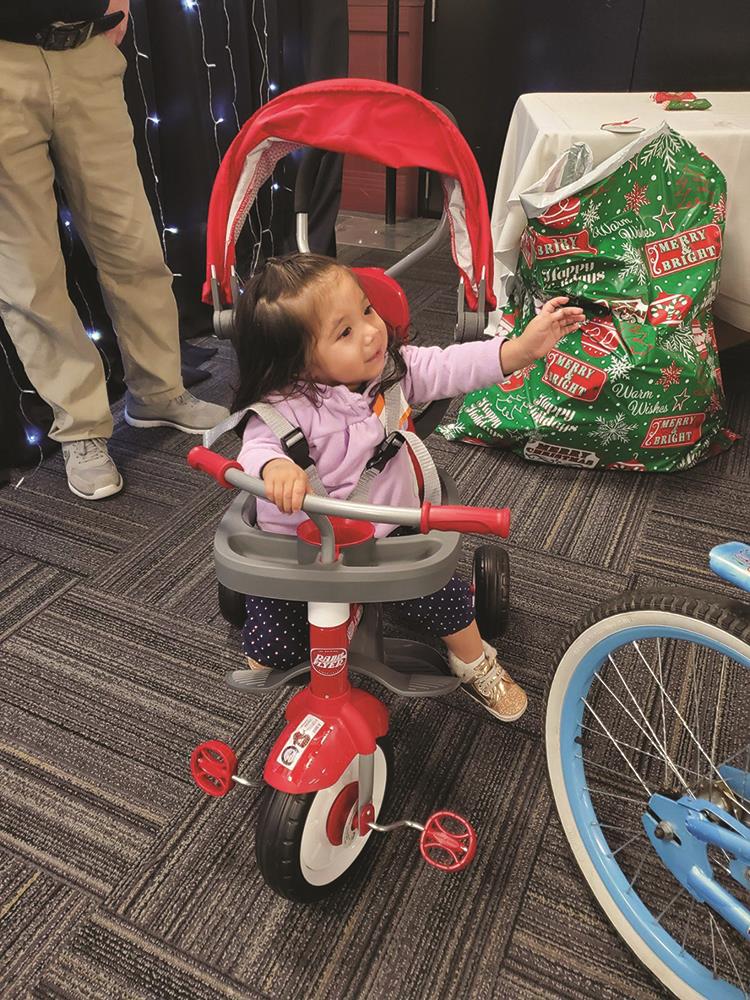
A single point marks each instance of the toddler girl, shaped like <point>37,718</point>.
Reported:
<point>310,343</point>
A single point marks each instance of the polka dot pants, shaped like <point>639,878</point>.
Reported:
<point>276,632</point>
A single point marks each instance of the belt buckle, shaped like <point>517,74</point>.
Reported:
<point>386,450</point>
<point>59,38</point>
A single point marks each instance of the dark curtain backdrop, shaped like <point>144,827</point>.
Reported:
<point>197,70</point>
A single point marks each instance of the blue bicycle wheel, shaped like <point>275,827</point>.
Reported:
<point>650,703</point>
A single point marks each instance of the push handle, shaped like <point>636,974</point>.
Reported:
<point>215,465</point>
<point>480,520</point>
<point>477,520</point>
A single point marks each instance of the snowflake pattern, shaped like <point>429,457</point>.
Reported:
<point>663,149</point>
<point>590,214</point>
<point>610,431</point>
<point>632,260</point>
<point>720,209</point>
<point>636,199</point>
<point>670,376</point>
<point>619,367</point>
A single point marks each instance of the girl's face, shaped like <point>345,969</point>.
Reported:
<point>352,340</point>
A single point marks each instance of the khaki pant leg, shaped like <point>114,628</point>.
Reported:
<point>92,143</point>
<point>61,362</point>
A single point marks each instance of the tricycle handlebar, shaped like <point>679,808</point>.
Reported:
<point>479,520</point>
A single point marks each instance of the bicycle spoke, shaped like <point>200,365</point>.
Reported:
<point>614,795</point>
<point>638,870</point>
<point>729,954</point>
<point>629,746</point>
<point>609,770</point>
<point>663,710</point>
<point>694,690</point>
<point>713,945</point>
<point>654,742</point>
<point>719,699</point>
<point>614,741</point>
<point>687,925</point>
<point>672,900</point>
<point>623,846</point>
<point>677,712</point>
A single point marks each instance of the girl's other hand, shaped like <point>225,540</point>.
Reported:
<point>286,484</point>
<point>541,335</point>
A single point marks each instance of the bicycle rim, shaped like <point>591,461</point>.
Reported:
<point>636,696</point>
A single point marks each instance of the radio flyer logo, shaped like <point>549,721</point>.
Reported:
<point>328,662</point>
<point>298,741</point>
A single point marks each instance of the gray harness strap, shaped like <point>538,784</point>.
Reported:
<point>280,426</point>
<point>394,413</point>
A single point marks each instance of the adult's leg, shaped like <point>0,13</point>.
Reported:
<point>92,142</point>
<point>61,362</point>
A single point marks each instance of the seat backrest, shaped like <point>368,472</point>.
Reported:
<point>387,297</point>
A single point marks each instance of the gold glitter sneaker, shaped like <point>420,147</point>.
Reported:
<point>495,689</point>
<point>492,686</point>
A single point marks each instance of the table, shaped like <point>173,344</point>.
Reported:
<point>544,125</point>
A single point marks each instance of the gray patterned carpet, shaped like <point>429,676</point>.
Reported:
<point>119,879</point>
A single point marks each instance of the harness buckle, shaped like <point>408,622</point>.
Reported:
<point>295,446</point>
<point>385,451</point>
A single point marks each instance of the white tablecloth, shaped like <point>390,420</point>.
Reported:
<point>544,125</point>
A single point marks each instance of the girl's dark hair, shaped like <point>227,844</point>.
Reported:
<point>274,340</point>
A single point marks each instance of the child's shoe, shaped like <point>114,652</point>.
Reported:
<point>489,683</point>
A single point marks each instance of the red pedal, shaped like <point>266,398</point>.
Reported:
<point>213,764</point>
<point>448,842</point>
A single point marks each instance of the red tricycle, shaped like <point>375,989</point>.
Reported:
<point>329,769</point>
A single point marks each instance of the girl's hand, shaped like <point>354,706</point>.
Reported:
<point>541,335</point>
<point>286,484</point>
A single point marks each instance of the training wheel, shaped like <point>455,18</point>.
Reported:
<point>213,765</point>
<point>448,842</point>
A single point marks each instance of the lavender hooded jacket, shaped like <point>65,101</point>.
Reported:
<point>343,431</point>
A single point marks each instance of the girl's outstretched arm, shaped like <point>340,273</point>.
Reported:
<point>541,334</point>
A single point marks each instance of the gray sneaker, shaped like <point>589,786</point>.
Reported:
<point>92,475</point>
<point>185,412</point>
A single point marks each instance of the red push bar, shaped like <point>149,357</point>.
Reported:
<point>477,520</point>
<point>215,465</point>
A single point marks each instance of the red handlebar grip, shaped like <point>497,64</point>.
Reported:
<point>477,520</point>
<point>215,465</point>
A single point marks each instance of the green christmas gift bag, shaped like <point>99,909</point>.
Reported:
<point>637,243</point>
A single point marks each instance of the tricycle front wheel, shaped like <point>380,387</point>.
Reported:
<point>305,844</point>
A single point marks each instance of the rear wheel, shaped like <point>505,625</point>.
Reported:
<point>305,845</point>
<point>232,606</point>
<point>491,590</point>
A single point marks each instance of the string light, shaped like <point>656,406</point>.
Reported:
<point>194,5</point>
<point>154,119</point>
<point>228,47</point>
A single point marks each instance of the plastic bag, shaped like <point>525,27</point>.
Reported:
<point>637,243</point>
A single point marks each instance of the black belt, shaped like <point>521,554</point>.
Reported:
<point>57,37</point>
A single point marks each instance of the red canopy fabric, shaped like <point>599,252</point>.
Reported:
<point>379,121</point>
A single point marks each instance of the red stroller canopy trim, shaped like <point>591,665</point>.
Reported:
<point>379,121</point>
